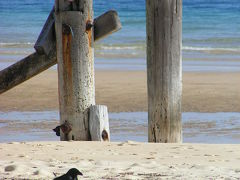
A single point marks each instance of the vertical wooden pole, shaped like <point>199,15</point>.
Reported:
<point>99,123</point>
<point>164,70</point>
<point>75,58</point>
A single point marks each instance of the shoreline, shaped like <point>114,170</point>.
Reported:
<point>212,128</point>
<point>126,91</point>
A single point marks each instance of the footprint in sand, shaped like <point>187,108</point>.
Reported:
<point>237,170</point>
<point>190,147</point>
<point>10,168</point>
<point>153,153</point>
<point>175,147</point>
<point>131,143</point>
<point>134,165</point>
<point>207,155</point>
<point>74,158</point>
<point>59,146</point>
<point>36,172</point>
<point>22,156</point>
<point>121,144</point>
<point>51,165</point>
<point>13,143</point>
<point>150,158</point>
<point>177,153</point>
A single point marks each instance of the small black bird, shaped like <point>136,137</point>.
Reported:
<point>57,130</point>
<point>70,175</point>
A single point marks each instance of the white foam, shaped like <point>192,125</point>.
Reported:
<point>210,49</point>
<point>15,44</point>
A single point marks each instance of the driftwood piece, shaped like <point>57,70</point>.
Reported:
<point>99,123</point>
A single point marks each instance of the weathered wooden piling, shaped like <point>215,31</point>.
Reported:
<point>75,56</point>
<point>164,70</point>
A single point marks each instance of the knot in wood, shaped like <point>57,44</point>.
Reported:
<point>66,128</point>
<point>105,135</point>
<point>89,25</point>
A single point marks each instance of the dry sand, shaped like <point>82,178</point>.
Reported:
<point>128,160</point>
<point>126,91</point>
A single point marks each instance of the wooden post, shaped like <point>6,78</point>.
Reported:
<point>99,123</point>
<point>45,57</point>
<point>74,33</point>
<point>164,70</point>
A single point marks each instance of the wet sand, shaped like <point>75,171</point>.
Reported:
<point>124,91</point>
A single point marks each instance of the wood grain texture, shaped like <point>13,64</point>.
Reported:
<point>75,69</point>
<point>99,123</point>
<point>25,69</point>
<point>164,70</point>
<point>47,39</point>
<point>106,24</point>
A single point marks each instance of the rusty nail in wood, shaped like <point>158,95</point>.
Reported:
<point>105,135</point>
<point>67,29</point>
<point>89,25</point>
<point>66,128</point>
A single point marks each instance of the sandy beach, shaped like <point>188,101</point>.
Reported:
<point>125,160</point>
<point>124,91</point>
<point>210,53</point>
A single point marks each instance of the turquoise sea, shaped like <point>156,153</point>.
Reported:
<point>211,29</point>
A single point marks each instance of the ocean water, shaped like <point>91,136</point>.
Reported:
<point>211,29</point>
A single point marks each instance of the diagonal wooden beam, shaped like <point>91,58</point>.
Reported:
<point>104,25</point>
<point>25,69</point>
<point>45,56</point>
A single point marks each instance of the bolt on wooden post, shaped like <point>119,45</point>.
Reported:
<point>74,37</point>
<point>164,70</point>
